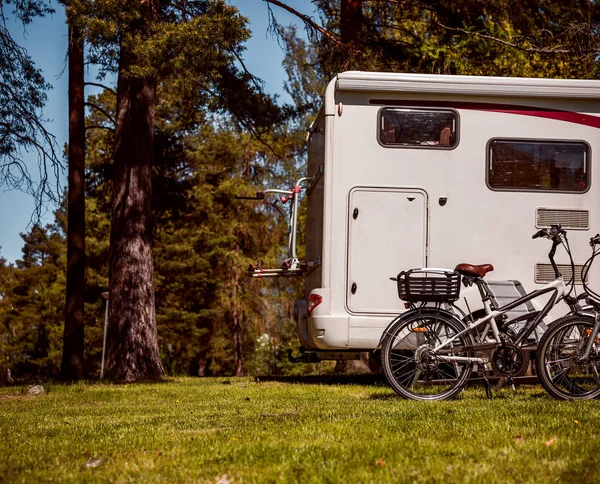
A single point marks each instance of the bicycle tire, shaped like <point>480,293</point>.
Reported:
<point>560,372</point>
<point>411,369</point>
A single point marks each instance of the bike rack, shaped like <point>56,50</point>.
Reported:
<point>291,266</point>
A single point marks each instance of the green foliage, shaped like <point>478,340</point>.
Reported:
<point>32,304</point>
<point>204,238</point>
<point>201,255</point>
<point>191,46</point>
<point>27,10</point>
<point>538,39</point>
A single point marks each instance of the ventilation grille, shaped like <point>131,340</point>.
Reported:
<point>545,274</point>
<point>568,219</point>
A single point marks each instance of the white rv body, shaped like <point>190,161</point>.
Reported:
<point>375,209</point>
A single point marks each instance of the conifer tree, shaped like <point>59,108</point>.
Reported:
<point>539,39</point>
<point>32,295</point>
<point>195,46</point>
<point>73,338</point>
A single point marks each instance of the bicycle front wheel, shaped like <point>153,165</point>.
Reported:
<point>412,366</point>
<point>562,369</point>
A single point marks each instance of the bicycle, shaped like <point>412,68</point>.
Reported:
<point>428,352</point>
<point>568,357</point>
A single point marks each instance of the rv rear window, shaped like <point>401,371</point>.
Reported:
<point>538,165</point>
<point>424,128</point>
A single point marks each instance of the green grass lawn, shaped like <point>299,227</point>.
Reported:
<point>200,430</point>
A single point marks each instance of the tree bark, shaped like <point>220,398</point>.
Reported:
<point>237,346</point>
<point>238,357</point>
<point>202,366</point>
<point>351,21</point>
<point>73,336</point>
<point>132,344</point>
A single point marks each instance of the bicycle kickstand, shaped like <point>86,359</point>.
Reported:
<point>488,387</point>
<point>506,380</point>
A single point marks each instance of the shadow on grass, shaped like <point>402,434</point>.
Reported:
<point>367,380</point>
<point>385,397</point>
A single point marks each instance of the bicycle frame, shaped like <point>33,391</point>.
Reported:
<point>556,287</point>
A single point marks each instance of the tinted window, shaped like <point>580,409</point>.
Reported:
<point>538,165</point>
<point>418,128</point>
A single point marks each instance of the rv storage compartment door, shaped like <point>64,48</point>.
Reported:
<point>387,234</point>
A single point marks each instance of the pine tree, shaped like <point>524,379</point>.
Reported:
<point>202,234</point>
<point>73,339</point>
<point>538,39</point>
<point>30,306</point>
<point>147,44</point>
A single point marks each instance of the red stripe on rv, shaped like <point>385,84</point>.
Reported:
<point>567,116</point>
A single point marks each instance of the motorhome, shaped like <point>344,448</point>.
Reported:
<point>411,170</point>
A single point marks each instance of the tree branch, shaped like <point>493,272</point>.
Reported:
<point>92,105</point>
<point>537,50</point>
<point>252,78</point>
<point>102,86</point>
<point>308,21</point>
<point>99,126</point>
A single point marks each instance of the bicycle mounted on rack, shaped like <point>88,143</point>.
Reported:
<point>428,352</point>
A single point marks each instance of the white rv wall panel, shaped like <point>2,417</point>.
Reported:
<point>475,224</point>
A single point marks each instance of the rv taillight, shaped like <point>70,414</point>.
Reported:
<point>313,301</point>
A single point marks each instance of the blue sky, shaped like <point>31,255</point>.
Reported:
<point>46,42</point>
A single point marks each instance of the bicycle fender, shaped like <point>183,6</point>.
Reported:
<point>407,314</point>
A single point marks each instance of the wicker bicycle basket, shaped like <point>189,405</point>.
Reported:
<point>429,285</point>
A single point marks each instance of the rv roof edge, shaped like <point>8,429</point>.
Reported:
<point>469,85</point>
<point>329,104</point>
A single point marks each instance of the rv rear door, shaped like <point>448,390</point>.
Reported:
<point>387,234</point>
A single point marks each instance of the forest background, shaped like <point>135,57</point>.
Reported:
<point>212,143</point>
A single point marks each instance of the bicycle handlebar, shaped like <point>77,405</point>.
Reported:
<point>553,233</point>
<point>595,240</point>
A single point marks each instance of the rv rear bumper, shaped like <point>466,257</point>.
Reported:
<point>327,332</point>
<point>320,330</point>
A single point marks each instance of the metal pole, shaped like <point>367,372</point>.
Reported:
<point>105,296</point>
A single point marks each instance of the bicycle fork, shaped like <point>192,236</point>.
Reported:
<point>592,337</point>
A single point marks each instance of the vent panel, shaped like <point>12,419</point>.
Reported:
<point>568,218</point>
<point>545,274</point>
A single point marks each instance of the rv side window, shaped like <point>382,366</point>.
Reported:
<point>538,165</point>
<point>425,128</point>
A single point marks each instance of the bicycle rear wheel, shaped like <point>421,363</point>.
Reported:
<point>411,366</point>
<point>560,366</point>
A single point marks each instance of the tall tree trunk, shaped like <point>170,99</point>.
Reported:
<point>132,344</point>
<point>201,366</point>
<point>236,324</point>
<point>73,343</point>
<point>237,345</point>
<point>351,21</point>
